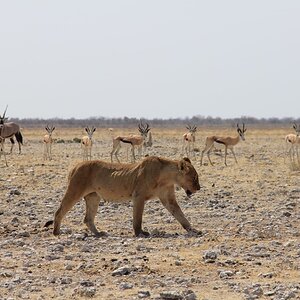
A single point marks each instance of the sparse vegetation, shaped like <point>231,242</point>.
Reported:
<point>168,123</point>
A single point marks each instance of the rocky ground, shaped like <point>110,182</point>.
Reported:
<point>248,213</point>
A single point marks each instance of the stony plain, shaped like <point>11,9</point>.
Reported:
<point>249,214</point>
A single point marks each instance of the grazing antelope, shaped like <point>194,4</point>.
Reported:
<point>228,142</point>
<point>48,142</point>
<point>87,143</point>
<point>189,140</point>
<point>293,140</point>
<point>9,130</point>
<point>139,141</point>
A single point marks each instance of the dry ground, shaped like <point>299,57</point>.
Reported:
<point>249,214</point>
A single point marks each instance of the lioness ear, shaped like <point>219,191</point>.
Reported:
<point>187,159</point>
<point>182,165</point>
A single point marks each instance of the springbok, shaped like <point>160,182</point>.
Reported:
<point>9,130</point>
<point>139,141</point>
<point>48,142</point>
<point>228,142</point>
<point>189,139</point>
<point>293,140</point>
<point>87,143</point>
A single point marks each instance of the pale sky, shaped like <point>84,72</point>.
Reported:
<point>151,59</point>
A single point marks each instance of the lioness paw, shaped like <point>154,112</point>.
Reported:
<point>143,234</point>
<point>194,232</point>
<point>101,234</point>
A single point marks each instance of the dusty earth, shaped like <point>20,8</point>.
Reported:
<point>249,215</point>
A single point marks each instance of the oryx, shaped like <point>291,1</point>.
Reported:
<point>10,129</point>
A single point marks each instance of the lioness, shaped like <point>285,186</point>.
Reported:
<point>153,177</point>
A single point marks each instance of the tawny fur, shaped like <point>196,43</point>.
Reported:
<point>151,178</point>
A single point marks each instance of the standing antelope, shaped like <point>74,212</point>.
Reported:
<point>293,140</point>
<point>189,140</point>
<point>87,143</point>
<point>48,142</point>
<point>9,130</point>
<point>228,142</point>
<point>2,146</point>
<point>139,141</point>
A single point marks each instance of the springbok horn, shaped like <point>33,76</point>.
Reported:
<point>147,127</point>
<point>140,128</point>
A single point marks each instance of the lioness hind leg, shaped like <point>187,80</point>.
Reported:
<point>68,201</point>
<point>92,202</point>
<point>138,209</point>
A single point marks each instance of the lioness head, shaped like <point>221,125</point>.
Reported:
<point>188,177</point>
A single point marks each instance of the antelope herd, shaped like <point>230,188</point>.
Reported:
<point>143,141</point>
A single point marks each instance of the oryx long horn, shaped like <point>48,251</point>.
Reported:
<point>5,111</point>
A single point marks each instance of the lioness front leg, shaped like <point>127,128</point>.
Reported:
<point>169,201</point>
<point>92,203</point>
<point>138,209</point>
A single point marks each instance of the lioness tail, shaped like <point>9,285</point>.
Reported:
<point>49,223</point>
